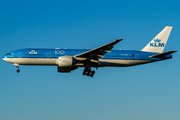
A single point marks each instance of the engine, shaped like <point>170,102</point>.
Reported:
<point>66,69</point>
<point>65,64</point>
<point>66,61</point>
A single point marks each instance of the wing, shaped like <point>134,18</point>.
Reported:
<point>98,52</point>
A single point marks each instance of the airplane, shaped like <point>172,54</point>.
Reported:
<point>68,60</point>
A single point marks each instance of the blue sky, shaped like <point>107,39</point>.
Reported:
<point>142,92</point>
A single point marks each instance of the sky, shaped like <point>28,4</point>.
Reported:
<point>145,92</point>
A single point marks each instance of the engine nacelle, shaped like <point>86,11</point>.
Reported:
<point>66,69</point>
<point>65,61</point>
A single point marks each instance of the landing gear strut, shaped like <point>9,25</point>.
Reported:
<point>87,71</point>
<point>17,66</point>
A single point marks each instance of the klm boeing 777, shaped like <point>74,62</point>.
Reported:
<point>68,60</point>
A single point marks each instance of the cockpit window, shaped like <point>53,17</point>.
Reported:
<point>8,54</point>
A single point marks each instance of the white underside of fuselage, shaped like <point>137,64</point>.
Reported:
<point>52,62</point>
<point>32,61</point>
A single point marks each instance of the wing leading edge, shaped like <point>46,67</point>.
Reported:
<point>98,52</point>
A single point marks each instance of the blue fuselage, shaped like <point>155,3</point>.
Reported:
<point>114,58</point>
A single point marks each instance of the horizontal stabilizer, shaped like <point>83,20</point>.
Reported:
<point>163,54</point>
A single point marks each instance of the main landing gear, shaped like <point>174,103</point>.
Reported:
<point>87,71</point>
<point>17,66</point>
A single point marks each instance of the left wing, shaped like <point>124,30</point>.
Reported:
<point>97,52</point>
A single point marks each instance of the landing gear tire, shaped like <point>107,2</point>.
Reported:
<point>91,75</point>
<point>18,70</point>
<point>84,73</point>
<point>88,72</point>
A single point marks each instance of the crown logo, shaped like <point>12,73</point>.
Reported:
<point>157,40</point>
<point>33,52</point>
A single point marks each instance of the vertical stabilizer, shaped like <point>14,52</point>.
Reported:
<point>159,42</point>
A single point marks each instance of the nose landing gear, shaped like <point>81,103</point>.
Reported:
<point>87,71</point>
<point>17,66</point>
<point>18,70</point>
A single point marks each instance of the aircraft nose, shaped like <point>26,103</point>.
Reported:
<point>5,58</point>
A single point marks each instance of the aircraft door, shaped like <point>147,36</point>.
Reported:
<point>48,54</point>
<point>137,56</point>
<point>20,54</point>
